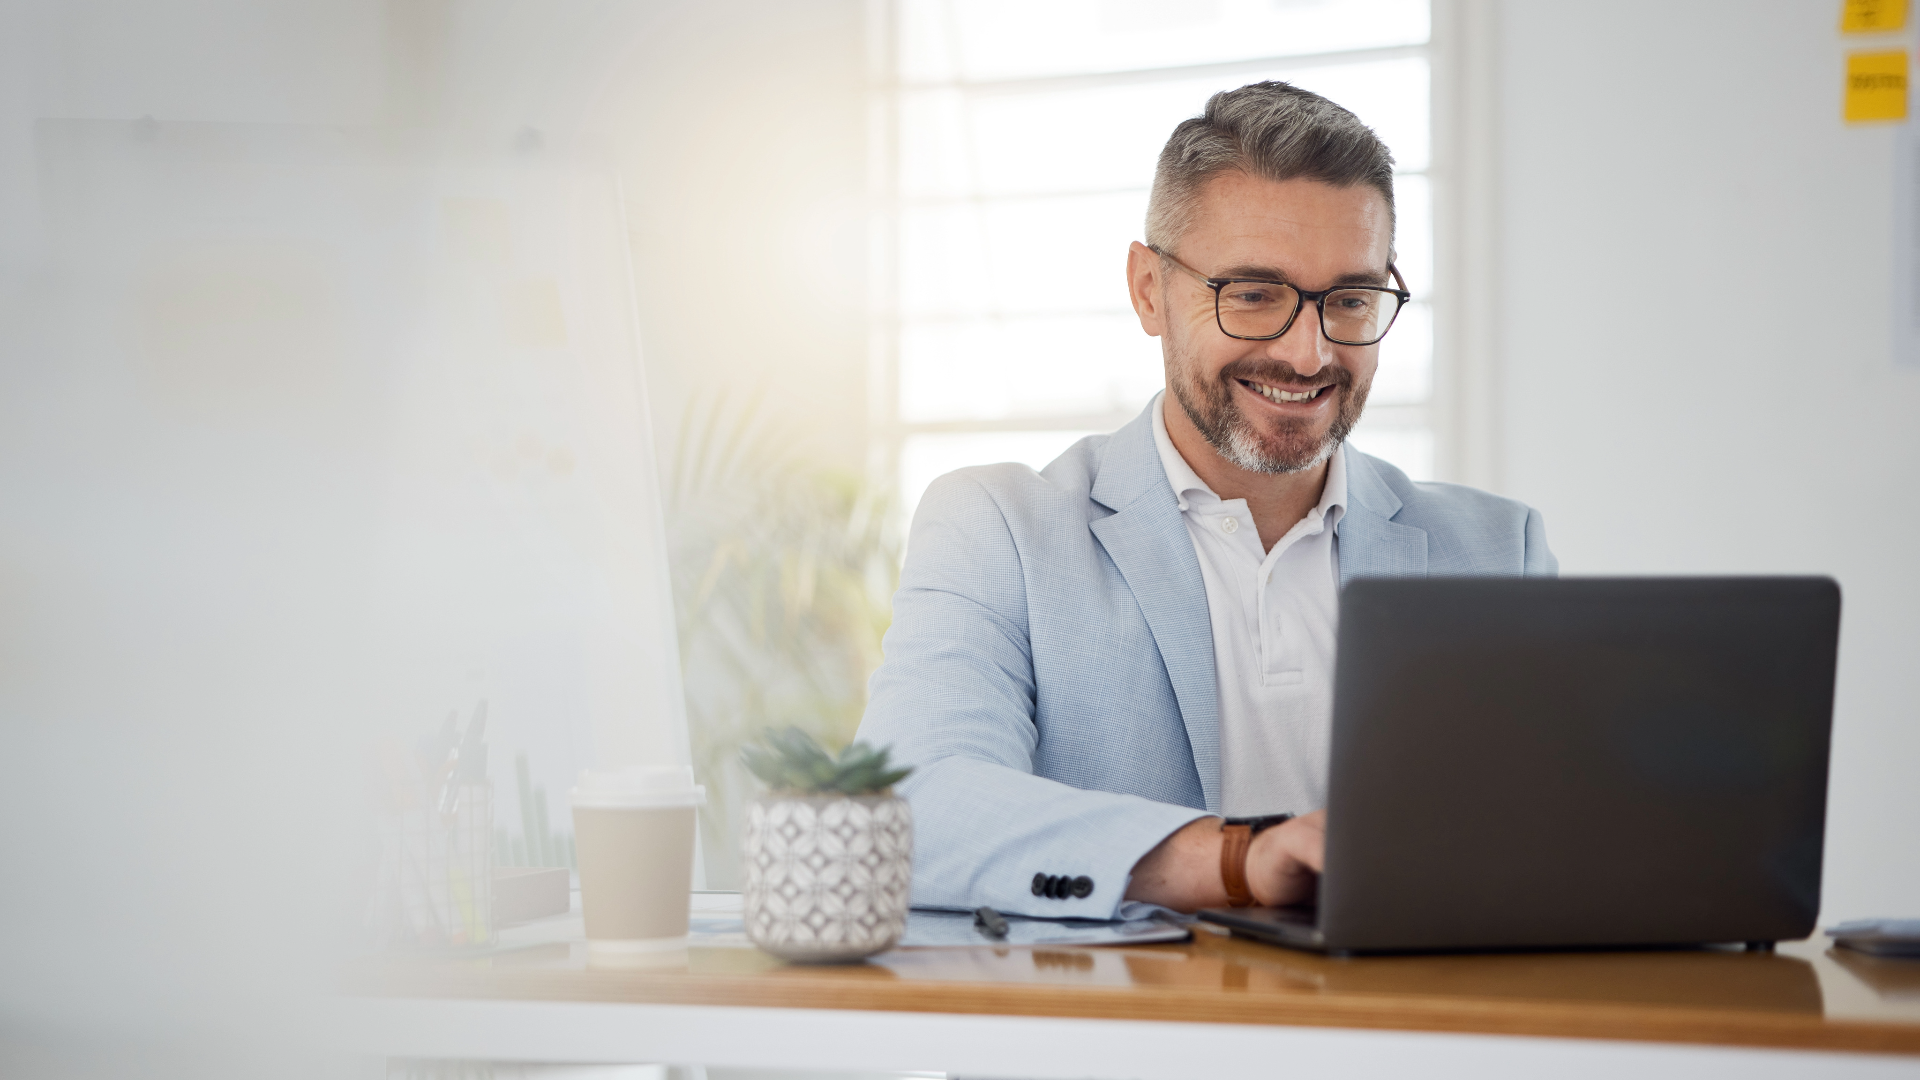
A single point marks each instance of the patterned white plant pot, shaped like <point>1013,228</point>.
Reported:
<point>828,875</point>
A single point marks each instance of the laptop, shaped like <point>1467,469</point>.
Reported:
<point>1572,763</point>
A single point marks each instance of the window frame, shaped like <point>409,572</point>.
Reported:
<point>1458,405</point>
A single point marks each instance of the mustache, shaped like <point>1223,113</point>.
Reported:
<point>1280,373</point>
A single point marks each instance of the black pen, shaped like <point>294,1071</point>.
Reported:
<point>989,922</point>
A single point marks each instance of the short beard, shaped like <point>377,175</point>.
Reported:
<point>1293,448</point>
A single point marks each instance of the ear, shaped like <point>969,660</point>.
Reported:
<point>1144,288</point>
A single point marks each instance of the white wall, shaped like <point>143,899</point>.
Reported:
<point>1754,419</point>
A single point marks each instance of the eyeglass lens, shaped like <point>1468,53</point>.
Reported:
<point>1253,309</point>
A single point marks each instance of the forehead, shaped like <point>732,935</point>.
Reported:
<point>1305,227</point>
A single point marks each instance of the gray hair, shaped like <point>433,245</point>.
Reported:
<point>1271,130</point>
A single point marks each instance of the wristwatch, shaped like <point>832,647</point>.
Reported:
<point>1236,836</point>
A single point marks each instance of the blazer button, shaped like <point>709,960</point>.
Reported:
<point>1039,884</point>
<point>1082,887</point>
<point>1054,886</point>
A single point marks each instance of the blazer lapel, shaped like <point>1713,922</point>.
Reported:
<point>1147,539</point>
<point>1372,544</point>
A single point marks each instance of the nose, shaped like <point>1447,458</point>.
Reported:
<point>1303,347</point>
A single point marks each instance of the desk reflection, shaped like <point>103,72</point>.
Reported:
<point>1800,997</point>
<point>1891,978</point>
<point>1702,978</point>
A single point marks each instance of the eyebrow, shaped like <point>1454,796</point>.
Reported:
<point>1268,273</point>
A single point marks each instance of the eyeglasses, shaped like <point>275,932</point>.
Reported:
<point>1257,310</point>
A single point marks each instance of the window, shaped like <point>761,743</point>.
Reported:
<point>1015,149</point>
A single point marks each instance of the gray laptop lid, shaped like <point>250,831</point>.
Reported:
<point>1535,763</point>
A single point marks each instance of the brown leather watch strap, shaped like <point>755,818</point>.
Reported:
<point>1234,842</point>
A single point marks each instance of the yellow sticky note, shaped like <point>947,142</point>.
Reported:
<point>1877,86</point>
<point>1872,16</point>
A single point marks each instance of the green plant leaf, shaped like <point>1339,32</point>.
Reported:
<point>789,759</point>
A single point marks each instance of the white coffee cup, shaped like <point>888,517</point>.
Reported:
<point>633,836</point>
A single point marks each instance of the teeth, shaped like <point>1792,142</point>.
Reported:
<point>1275,394</point>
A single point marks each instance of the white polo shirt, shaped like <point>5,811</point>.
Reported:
<point>1274,614</point>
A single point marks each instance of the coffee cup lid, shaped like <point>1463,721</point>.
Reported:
<point>639,787</point>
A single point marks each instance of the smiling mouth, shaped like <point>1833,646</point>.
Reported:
<point>1276,394</point>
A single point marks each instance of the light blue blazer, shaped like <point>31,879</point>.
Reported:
<point>1049,672</point>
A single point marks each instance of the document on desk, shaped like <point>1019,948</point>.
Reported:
<point>718,922</point>
<point>1144,925</point>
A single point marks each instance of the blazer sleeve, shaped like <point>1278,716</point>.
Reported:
<point>1539,560</point>
<point>954,698</point>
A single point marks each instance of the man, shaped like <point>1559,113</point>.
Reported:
<point>1090,665</point>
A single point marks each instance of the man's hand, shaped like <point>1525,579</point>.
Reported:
<point>1183,872</point>
<point>1283,865</point>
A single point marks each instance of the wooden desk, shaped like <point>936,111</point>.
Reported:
<point>1804,998</point>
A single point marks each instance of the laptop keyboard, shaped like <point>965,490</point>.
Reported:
<point>1297,916</point>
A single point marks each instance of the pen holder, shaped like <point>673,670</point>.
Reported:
<point>435,883</point>
<point>828,876</point>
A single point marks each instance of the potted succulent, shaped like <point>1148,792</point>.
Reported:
<point>829,850</point>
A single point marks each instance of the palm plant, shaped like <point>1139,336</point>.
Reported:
<point>783,576</point>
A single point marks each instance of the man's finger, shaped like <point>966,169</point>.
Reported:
<point>1305,839</point>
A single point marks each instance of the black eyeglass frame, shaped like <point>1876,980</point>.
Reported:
<point>1301,295</point>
